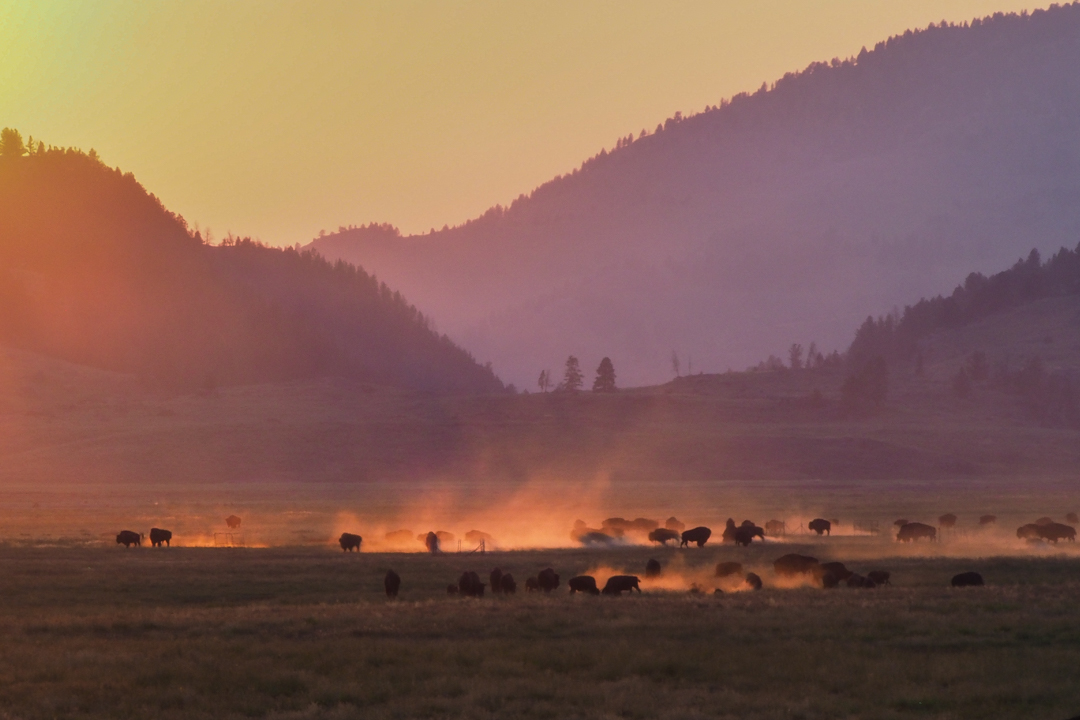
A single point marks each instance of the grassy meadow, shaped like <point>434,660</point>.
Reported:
<point>307,633</point>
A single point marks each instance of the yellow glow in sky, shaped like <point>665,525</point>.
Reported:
<point>277,119</point>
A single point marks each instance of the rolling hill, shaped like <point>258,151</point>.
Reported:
<point>94,270</point>
<point>778,216</point>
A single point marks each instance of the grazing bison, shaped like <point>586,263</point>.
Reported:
<point>745,535</point>
<point>988,519</point>
<point>1045,521</point>
<point>399,536</point>
<point>821,526</point>
<point>699,535</point>
<point>618,584</point>
<point>350,542</point>
<point>729,531</point>
<point>858,581</point>
<point>652,568</point>
<point>159,536</point>
<point>127,538</point>
<point>792,564</point>
<point>1072,518</point>
<point>725,569</point>
<point>913,532</point>
<point>475,537</point>
<point>469,584</point>
<point>233,522</point>
<point>547,580</point>
<point>531,584</point>
<point>496,580</point>
<point>507,584</point>
<point>431,542</point>
<point>584,584</point>
<point>775,528</point>
<point>947,521</point>
<point>392,583</point>
<point>1030,531</point>
<point>837,569</point>
<point>1056,531</point>
<point>662,535</point>
<point>673,523</point>
<point>880,577</point>
<point>753,581</point>
<point>967,579</point>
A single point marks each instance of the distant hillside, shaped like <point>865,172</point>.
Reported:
<point>94,270</point>
<point>779,216</point>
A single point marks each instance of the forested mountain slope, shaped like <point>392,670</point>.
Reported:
<point>95,270</point>
<point>779,216</point>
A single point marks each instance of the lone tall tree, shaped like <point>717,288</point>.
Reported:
<point>605,377</point>
<point>11,143</point>
<point>545,380</point>
<point>572,377</point>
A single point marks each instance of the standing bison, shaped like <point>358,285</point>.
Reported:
<point>392,583</point>
<point>745,535</point>
<point>431,542</point>
<point>127,538</point>
<point>159,536</point>
<point>699,535</point>
<point>1028,532</point>
<point>496,580</point>
<point>821,526</point>
<point>913,532</point>
<point>793,564</point>
<point>837,569</point>
<point>662,535</point>
<point>531,584</point>
<point>879,577</point>
<point>967,579</point>
<point>584,584</point>
<point>547,580</point>
<point>729,531</point>
<point>725,569</point>
<point>350,542</point>
<point>469,584</point>
<point>652,568</point>
<point>947,521</point>
<point>1056,531</point>
<point>618,584</point>
<point>507,586</point>
<point>233,522</point>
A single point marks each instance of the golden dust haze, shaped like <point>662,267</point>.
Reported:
<point>278,119</point>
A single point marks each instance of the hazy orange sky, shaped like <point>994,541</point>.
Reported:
<point>277,119</point>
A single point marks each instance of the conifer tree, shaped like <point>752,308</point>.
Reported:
<point>572,377</point>
<point>605,377</point>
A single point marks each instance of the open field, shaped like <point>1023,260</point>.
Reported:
<point>307,633</point>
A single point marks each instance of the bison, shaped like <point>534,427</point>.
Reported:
<point>837,569</point>
<point>699,535</point>
<point>775,528</point>
<point>729,531</point>
<point>350,542</point>
<point>821,526</point>
<point>399,536</point>
<point>725,569</point>
<point>391,583</point>
<point>662,535</point>
<point>947,521</point>
<point>829,581</point>
<point>127,538</point>
<point>431,542</point>
<point>901,522</point>
<point>858,581</point>
<point>507,585</point>
<point>967,579</point>
<point>988,519</point>
<point>618,584</point>
<point>584,584</point>
<point>469,584</point>
<point>793,564</point>
<point>753,581</point>
<point>496,580</point>
<point>547,580</point>
<point>616,526</point>
<point>745,535</point>
<point>1031,531</point>
<point>880,577</point>
<point>673,523</point>
<point>913,532</point>
<point>1056,531</point>
<point>233,522</point>
<point>652,568</point>
<point>475,537</point>
<point>159,536</point>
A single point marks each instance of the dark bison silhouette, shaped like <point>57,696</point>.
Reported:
<point>159,536</point>
<point>531,584</point>
<point>673,523</point>
<point>1072,518</point>
<point>496,580</point>
<point>469,584</point>
<point>233,522</point>
<point>988,519</point>
<point>431,542</point>
<point>947,521</point>
<point>1028,532</point>
<point>391,583</point>
<point>699,535</point>
<point>880,577</point>
<point>821,526</point>
<point>726,569</point>
<point>793,564</point>
<point>1056,531</point>
<point>967,579</point>
<point>745,535</point>
<point>753,581</point>
<point>584,584</point>
<point>547,580</point>
<point>729,531</point>
<point>350,542</point>
<point>775,528</point>
<point>652,568</point>
<point>837,569</point>
<point>127,538</point>
<point>662,535</point>
<point>507,584</point>
<point>858,581</point>
<point>913,532</point>
<point>618,584</point>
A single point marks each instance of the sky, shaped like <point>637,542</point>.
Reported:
<point>278,119</point>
